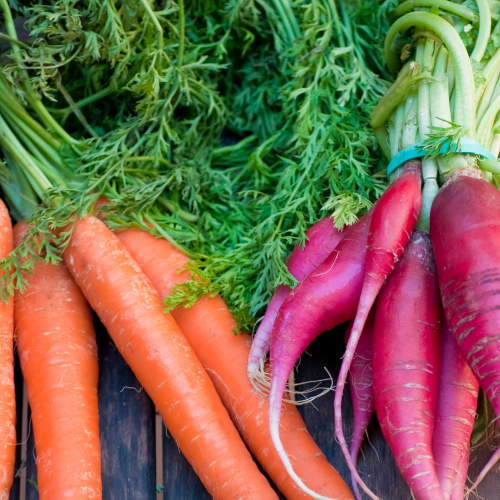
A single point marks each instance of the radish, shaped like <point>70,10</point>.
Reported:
<point>361,382</point>
<point>465,232</point>
<point>458,488</point>
<point>406,364</point>
<point>323,237</point>
<point>454,417</point>
<point>394,217</point>
<point>326,298</point>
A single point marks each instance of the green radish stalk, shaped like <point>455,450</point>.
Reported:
<point>488,107</point>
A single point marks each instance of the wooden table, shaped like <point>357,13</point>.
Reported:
<point>127,423</point>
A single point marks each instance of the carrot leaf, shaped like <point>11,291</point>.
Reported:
<point>443,141</point>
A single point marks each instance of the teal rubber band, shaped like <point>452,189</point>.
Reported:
<point>470,146</point>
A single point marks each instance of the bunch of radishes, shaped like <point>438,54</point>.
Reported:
<point>420,259</point>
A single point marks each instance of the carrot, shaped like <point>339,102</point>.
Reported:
<point>209,327</point>
<point>394,217</point>
<point>361,383</point>
<point>406,362</point>
<point>323,237</point>
<point>7,395</point>
<point>58,353</point>
<point>454,416</point>
<point>163,361</point>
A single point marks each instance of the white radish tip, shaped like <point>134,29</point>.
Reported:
<point>274,418</point>
<point>491,463</point>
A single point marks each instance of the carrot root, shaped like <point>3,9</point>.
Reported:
<point>58,355</point>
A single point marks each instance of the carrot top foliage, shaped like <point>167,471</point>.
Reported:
<point>224,125</point>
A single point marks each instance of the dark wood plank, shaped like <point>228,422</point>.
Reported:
<point>18,378</point>
<point>126,422</point>
<point>180,481</point>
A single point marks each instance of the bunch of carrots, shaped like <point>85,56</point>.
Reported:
<point>416,276</point>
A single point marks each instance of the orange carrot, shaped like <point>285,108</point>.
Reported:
<point>58,353</point>
<point>163,361</point>
<point>7,395</point>
<point>208,326</point>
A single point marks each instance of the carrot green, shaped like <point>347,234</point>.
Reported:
<point>226,125</point>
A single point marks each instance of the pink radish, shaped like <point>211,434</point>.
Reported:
<point>361,382</point>
<point>458,488</point>
<point>406,362</point>
<point>326,298</point>
<point>323,237</point>
<point>394,217</point>
<point>454,416</point>
<point>465,232</point>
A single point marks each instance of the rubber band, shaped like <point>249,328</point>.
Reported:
<point>469,146</point>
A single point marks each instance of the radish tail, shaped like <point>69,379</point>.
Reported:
<point>458,489</point>
<point>344,370</point>
<point>275,398</point>
<point>361,384</point>
<point>355,446</point>
<point>355,488</point>
<point>491,463</point>
<point>359,427</point>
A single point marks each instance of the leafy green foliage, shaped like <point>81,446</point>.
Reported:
<point>229,126</point>
<point>199,284</point>
<point>46,239</point>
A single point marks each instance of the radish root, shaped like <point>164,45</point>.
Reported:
<point>491,463</point>
<point>262,382</point>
